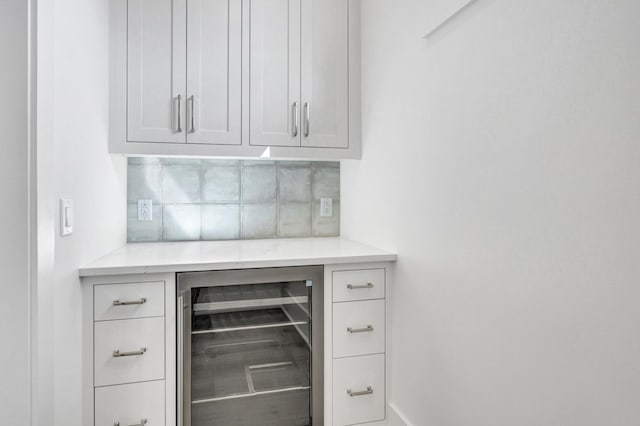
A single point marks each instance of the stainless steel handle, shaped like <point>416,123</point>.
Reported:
<point>142,301</point>
<point>180,338</point>
<point>359,287</point>
<point>179,129</point>
<point>307,119</point>
<point>192,124</point>
<point>142,423</point>
<point>369,391</point>
<point>367,329</point>
<point>294,119</point>
<point>118,354</point>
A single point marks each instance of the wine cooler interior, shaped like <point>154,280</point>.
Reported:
<point>249,348</point>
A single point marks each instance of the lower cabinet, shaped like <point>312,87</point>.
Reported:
<point>129,324</point>
<point>133,404</point>
<point>359,389</point>
<point>356,355</point>
<point>129,351</point>
<point>131,348</point>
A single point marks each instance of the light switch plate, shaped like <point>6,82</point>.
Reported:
<point>66,217</point>
<point>145,210</point>
<point>326,207</point>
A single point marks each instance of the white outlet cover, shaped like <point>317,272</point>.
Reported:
<point>145,210</point>
<point>326,207</point>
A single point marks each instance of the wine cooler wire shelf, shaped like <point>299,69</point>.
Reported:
<point>260,379</point>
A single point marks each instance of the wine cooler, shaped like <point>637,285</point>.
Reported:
<point>250,347</point>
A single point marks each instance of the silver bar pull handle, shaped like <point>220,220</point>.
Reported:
<point>192,102</point>
<point>307,119</point>
<point>118,354</point>
<point>369,391</point>
<point>294,119</point>
<point>180,358</point>
<point>142,301</point>
<point>359,287</point>
<point>179,129</point>
<point>142,423</point>
<point>367,329</point>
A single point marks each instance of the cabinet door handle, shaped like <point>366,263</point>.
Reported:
<point>294,119</point>
<point>142,423</point>
<point>179,129</point>
<point>192,102</point>
<point>359,287</point>
<point>118,354</point>
<point>180,355</point>
<point>307,119</point>
<point>367,329</point>
<point>142,301</point>
<point>369,391</point>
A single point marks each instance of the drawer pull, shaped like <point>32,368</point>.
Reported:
<point>359,287</point>
<point>142,301</point>
<point>367,329</point>
<point>142,423</point>
<point>369,391</point>
<point>118,354</point>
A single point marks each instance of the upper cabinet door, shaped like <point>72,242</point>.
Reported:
<point>156,66</point>
<point>214,72</point>
<point>274,74</point>
<point>325,73</point>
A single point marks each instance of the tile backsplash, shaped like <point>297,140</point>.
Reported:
<point>231,199</point>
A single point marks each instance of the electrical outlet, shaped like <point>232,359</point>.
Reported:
<point>145,210</point>
<point>326,207</point>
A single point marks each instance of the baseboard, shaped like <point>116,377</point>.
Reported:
<point>396,418</point>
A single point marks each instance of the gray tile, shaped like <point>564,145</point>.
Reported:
<point>181,222</point>
<point>220,221</point>
<point>220,181</point>
<point>144,182</point>
<point>294,220</point>
<point>289,163</point>
<point>294,184</point>
<point>144,160</point>
<point>181,161</point>
<point>181,183</point>
<point>333,164</point>
<point>259,184</point>
<point>258,221</point>
<point>139,231</point>
<point>325,182</point>
<point>326,226</point>
<point>221,163</point>
<point>249,163</point>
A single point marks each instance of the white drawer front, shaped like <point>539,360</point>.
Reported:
<point>363,284</point>
<point>130,404</point>
<point>362,374</point>
<point>358,328</point>
<point>129,336</point>
<point>122,301</point>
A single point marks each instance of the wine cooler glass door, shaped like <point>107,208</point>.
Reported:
<point>248,346</point>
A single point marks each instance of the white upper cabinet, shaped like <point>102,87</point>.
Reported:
<point>325,73</point>
<point>238,78</point>
<point>214,72</point>
<point>156,82</point>
<point>274,72</point>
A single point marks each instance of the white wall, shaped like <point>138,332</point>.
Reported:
<point>82,170</point>
<point>501,160</point>
<point>14,218</point>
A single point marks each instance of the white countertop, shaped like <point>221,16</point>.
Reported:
<point>141,258</point>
